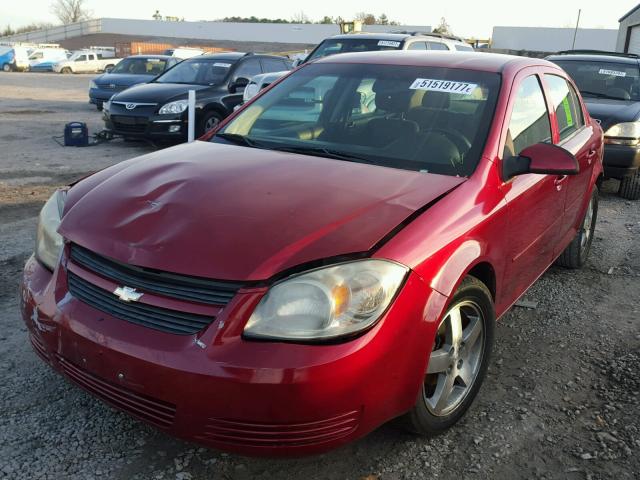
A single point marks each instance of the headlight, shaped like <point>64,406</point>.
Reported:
<point>48,240</point>
<point>178,106</point>
<point>624,130</point>
<point>327,303</point>
<point>93,84</point>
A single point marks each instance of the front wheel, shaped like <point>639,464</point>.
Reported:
<point>210,121</point>
<point>577,252</point>
<point>458,360</point>
<point>66,70</point>
<point>6,67</point>
<point>630,186</point>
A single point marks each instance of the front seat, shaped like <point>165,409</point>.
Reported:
<point>392,127</point>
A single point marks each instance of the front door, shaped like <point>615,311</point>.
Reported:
<point>535,203</point>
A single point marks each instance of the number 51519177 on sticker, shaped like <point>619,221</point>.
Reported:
<point>464,88</point>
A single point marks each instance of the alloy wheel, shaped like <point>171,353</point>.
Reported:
<point>211,123</point>
<point>587,229</point>
<point>455,359</point>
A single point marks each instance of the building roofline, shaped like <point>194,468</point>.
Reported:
<point>630,12</point>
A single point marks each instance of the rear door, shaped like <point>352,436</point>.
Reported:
<point>571,133</point>
<point>535,203</point>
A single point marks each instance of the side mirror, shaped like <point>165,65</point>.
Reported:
<point>108,69</point>
<point>238,84</point>
<point>540,158</point>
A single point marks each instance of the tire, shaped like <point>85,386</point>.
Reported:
<point>66,70</point>
<point>210,121</point>
<point>577,252</point>
<point>6,67</point>
<point>630,186</point>
<point>449,357</point>
<point>99,107</point>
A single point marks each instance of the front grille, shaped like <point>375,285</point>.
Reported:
<point>152,410</point>
<point>162,319</point>
<point>183,287</point>
<point>129,124</point>
<point>234,432</point>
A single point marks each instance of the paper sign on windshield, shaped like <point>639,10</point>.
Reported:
<point>615,73</point>
<point>224,65</point>
<point>449,86</point>
<point>388,43</point>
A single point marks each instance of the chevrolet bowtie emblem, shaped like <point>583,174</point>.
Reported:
<point>128,294</point>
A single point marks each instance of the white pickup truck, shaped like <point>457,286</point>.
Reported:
<point>85,62</point>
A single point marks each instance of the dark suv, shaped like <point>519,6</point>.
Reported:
<point>369,42</point>
<point>610,85</point>
<point>158,110</point>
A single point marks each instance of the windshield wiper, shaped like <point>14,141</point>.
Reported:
<point>325,152</point>
<point>600,95</point>
<point>238,139</point>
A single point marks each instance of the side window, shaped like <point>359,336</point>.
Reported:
<point>565,104</point>
<point>529,123</point>
<point>437,46</point>
<point>273,65</point>
<point>248,69</point>
<point>81,58</point>
<point>463,48</point>
<point>418,46</point>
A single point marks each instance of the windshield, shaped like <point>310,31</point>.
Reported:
<point>414,118</point>
<point>198,71</point>
<point>140,66</point>
<point>340,45</point>
<point>619,81</point>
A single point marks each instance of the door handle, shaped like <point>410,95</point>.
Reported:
<point>559,180</point>
<point>590,155</point>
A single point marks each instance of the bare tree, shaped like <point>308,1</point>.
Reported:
<point>443,27</point>
<point>300,17</point>
<point>70,11</point>
<point>366,18</point>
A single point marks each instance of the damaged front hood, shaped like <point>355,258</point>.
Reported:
<point>238,213</point>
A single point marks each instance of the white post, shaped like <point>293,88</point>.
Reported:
<point>192,116</point>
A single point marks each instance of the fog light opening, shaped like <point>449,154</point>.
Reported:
<point>174,128</point>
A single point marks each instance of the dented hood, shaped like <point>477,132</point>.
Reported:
<point>238,213</point>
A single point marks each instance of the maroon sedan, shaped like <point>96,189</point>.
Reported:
<point>334,256</point>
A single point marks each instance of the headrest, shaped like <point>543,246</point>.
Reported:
<point>439,100</point>
<point>391,97</point>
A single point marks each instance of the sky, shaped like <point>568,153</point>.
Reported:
<point>465,17</point>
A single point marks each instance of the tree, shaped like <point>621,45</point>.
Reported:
<point>326,20</point>
<point>300,17</point>
<point>443,27</point>
<point>70,11</point>
<point>366,18</point>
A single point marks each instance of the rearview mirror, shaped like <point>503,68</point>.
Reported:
<point>238,84</point>
<point>540,158</point>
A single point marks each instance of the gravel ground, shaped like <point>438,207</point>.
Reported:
<point>561,400</point>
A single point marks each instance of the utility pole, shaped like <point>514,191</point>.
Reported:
<point>575,32</point>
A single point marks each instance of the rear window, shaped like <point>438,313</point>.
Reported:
<point>333,46</point>
<point>614,80</point>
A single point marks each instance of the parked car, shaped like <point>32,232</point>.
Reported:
<point>43,59</point>
<point>158,109</point>
<point>259,82</point>
<point>610,85</point>
<point>85,61</point>
<point>130,71</point>
<point>7,59</point>
<point>318,265</point>
<point>21,57</point>
<point>184,52</point>
<point>368,42</point>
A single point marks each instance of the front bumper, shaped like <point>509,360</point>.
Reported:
<point>215,388</point>
<point>146,125</point>
<point>620,160</point>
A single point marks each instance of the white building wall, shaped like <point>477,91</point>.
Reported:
<point>251,32</point>
<point>553,39</point>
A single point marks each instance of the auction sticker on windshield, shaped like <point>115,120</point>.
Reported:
<point>388,43</point>
<point>450,86</point>
<point>615,73</point>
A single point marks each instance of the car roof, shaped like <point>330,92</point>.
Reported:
<point>378,36</point>
<point>487,62</point>
<point>594,57</point>
<point>142,55</point>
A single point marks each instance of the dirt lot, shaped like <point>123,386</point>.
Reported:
<point>561,400</point>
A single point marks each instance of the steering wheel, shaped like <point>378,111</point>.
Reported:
<point>460,141</point>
